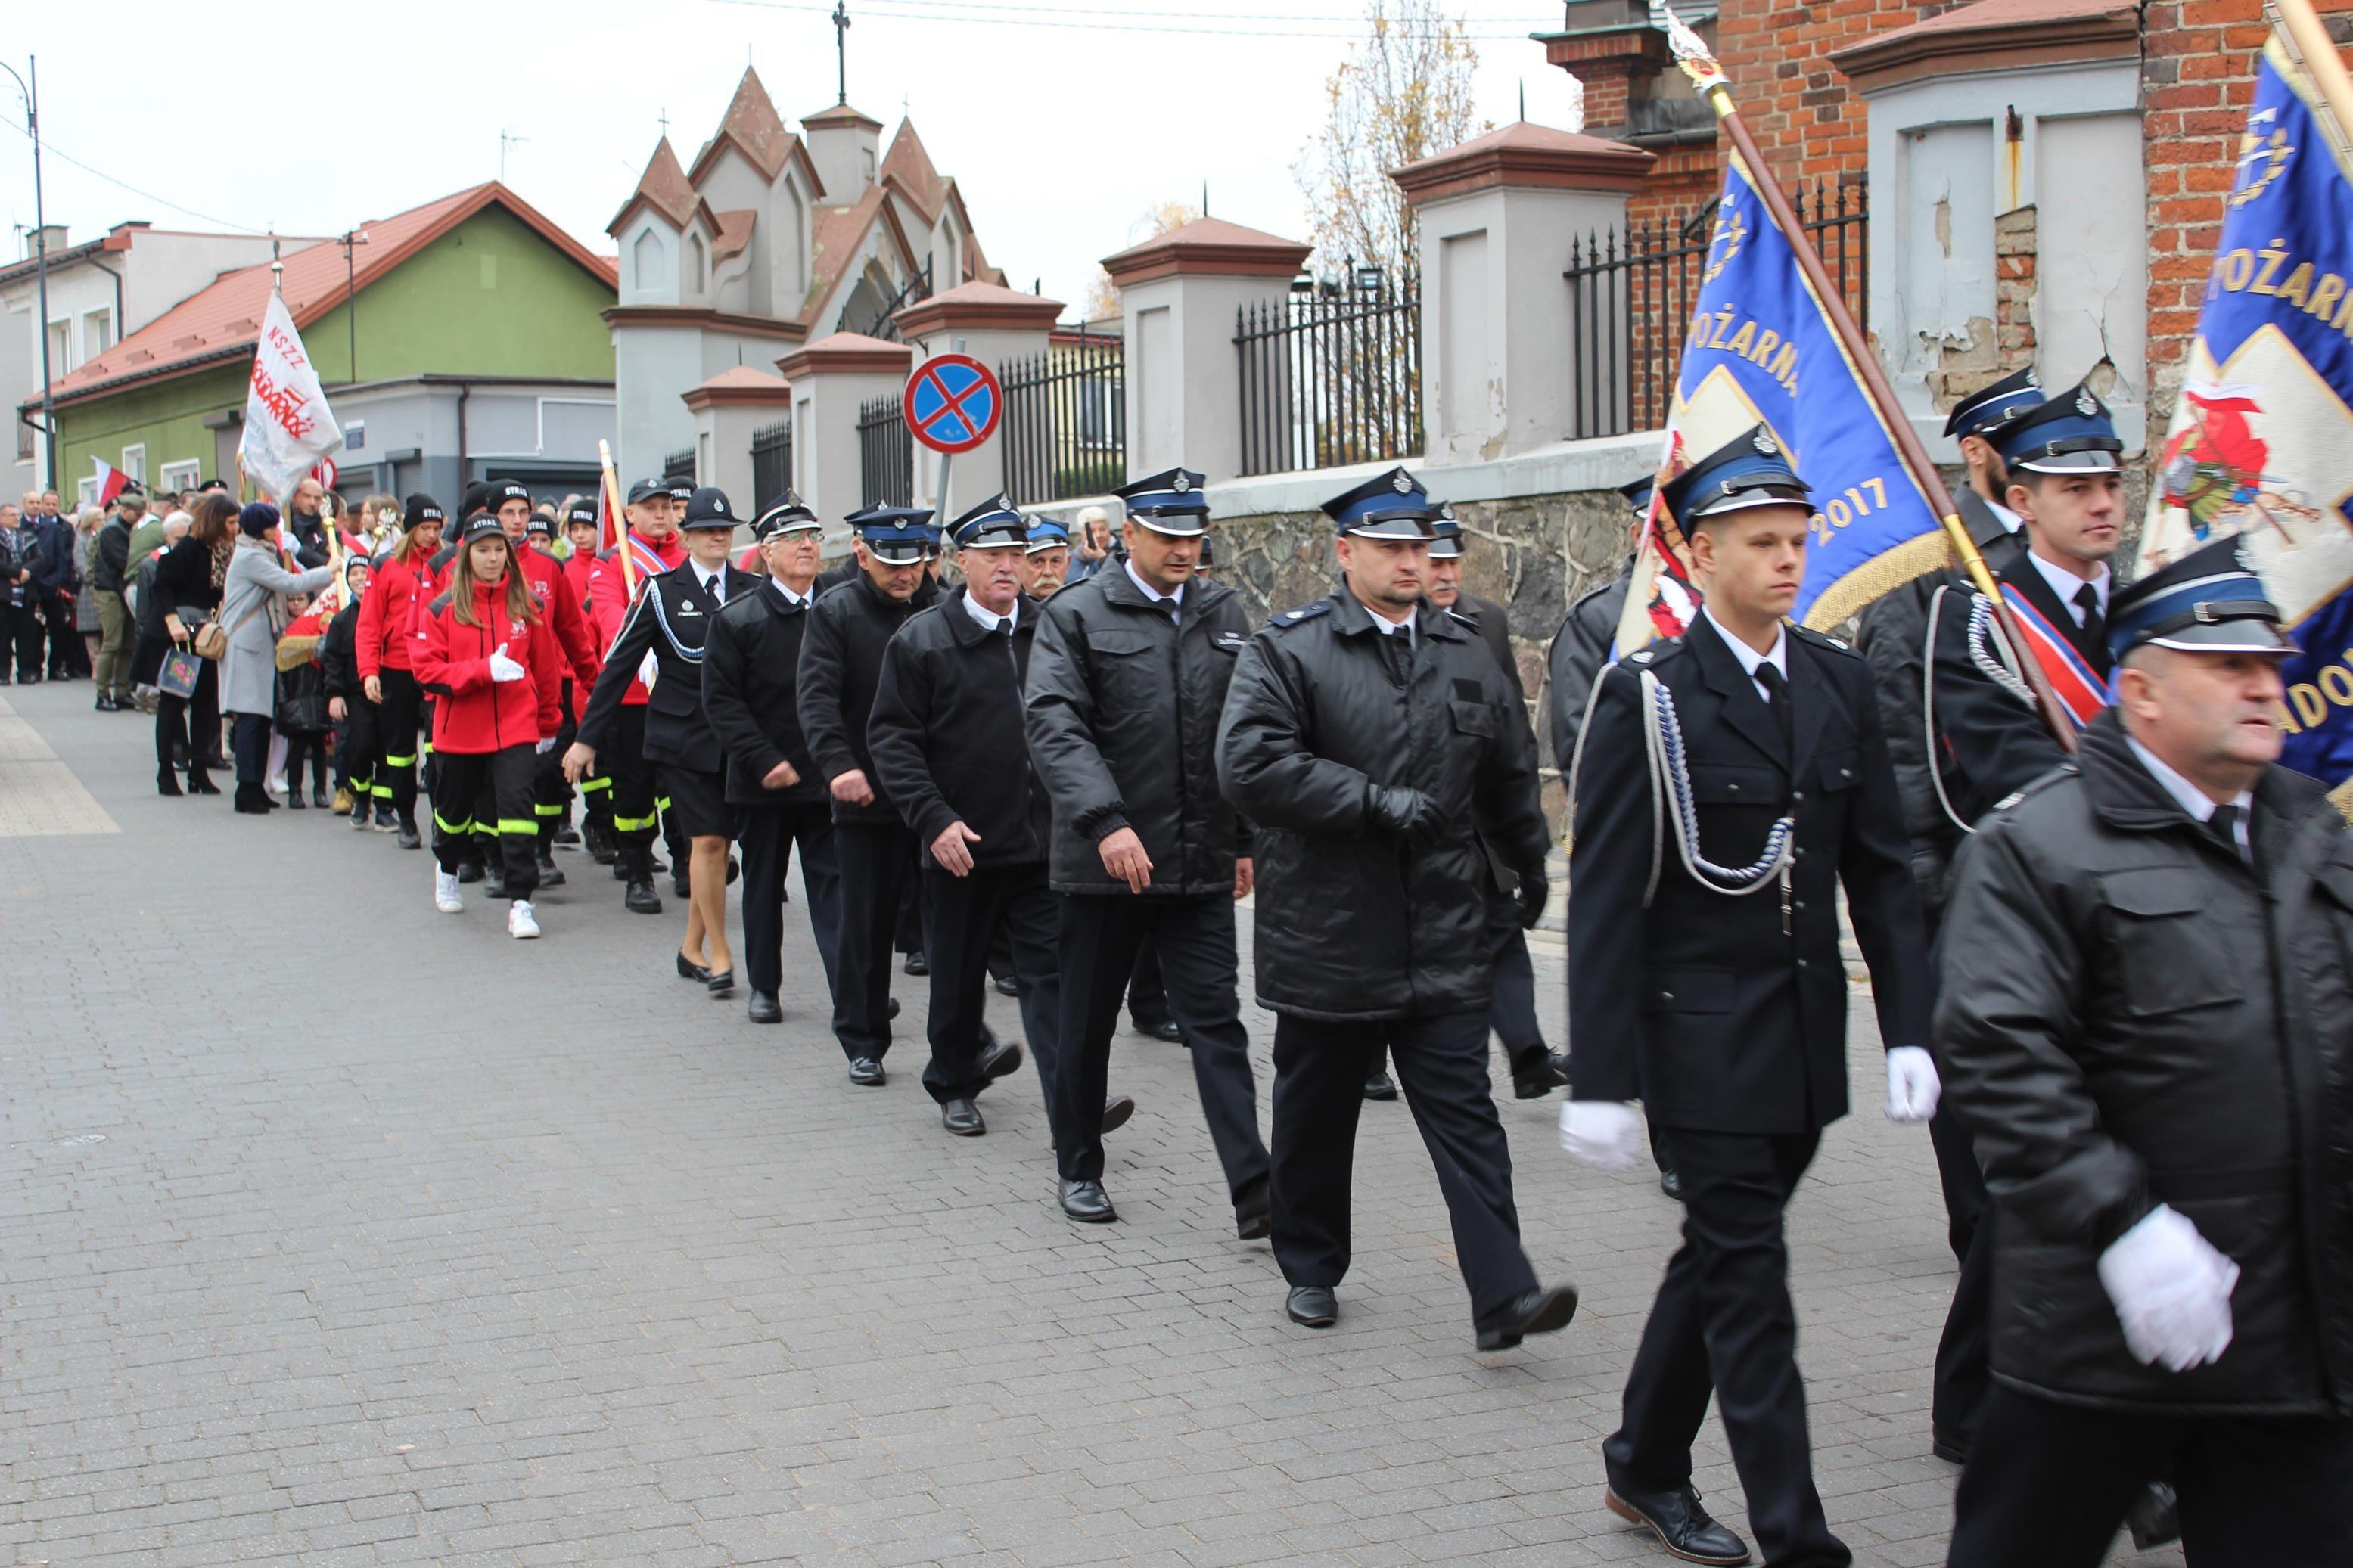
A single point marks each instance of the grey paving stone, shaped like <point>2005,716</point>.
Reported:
<point>339,1231</point>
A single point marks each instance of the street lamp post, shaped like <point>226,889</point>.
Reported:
<point>32,91</point>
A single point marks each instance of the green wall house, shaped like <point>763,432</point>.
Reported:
<point>463,340</point>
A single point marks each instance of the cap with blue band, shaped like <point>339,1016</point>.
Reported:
<point>1169,502</point>
<point>1749,471</point>
<point>895,535</point>
<point>2070,433</point>
<point>994,524</point>
<point>1389,506</point>
<point>2005,399</point>
<point>2209,601</point>
<point>1045,533</point>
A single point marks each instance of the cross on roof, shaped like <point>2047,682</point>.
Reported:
<point>842,50</point>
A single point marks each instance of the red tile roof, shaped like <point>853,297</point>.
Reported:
<point>911,165</point>
<point>734,231</point>
<point>664,187</point>
<point>752,123</point>
<point>223,319</point>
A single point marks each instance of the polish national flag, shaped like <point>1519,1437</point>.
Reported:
<point>110,481</point>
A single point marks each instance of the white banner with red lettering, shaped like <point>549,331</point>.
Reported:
<point>288,427</point>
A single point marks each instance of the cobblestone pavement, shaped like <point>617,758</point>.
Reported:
<point>499,1253</point>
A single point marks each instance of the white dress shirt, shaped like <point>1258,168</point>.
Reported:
<point>2188,796</point>
<point>1390,628</point>
<point>2066,585</point>
<point>1173,602</point>
<point>790,598</point>
<point>990,621</point>
<point>1750,660</point>
<point>708,577</point>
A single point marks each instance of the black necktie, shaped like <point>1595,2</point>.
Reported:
<point>1776,700</point>
<point>2224,825</point>
<point>1398,650</point>
<point>2095,625</point>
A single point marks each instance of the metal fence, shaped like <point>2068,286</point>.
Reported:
<point>877,319</point>
<point>1330,374</point>
<point>886,454</point>
<point>772,464</point>
<point>680,465</point>
<point>1066,419</point>
<point>1631,296</point>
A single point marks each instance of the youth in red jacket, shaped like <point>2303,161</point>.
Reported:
<point>395,592</point>
<point>473,713</point>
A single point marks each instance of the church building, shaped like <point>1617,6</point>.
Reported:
<point>768,242</point>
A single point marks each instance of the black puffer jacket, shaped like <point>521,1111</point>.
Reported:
<point>751,665</point>
<point>2131,1016</point>
<point>1122,713</point>
<point>1351,922</point>
<point>1891,636</point>
<point>945,733</point>
<point>841,659</point>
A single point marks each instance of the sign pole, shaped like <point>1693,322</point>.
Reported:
<point>1708,77</point>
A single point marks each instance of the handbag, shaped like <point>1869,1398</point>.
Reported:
<point>179,674</point>
<point>211,642</point>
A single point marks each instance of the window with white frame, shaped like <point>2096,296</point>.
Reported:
<point>87,490</point>
<point>182,478</point>
<point>135,464</point>
<point>96,334</point>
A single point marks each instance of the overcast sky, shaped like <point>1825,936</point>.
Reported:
<point>1063,121</point>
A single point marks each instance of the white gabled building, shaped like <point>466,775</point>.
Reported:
<point>766,244</point>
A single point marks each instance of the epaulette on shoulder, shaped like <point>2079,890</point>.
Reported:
<point>1286,619</point>
<point>1653,653</point>
<point>1824,640</point>
<point>2057,775</point>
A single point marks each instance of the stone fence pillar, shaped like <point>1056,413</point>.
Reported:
<point>830,378</point>
<point>1179,298</point>
<point>1497,215</point>
<point>727,408</point>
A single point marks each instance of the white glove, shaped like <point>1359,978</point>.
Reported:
<point>2171,1291</point>
<point>543,745</point>
<point>1913,1088</point>
<point>1606,1134</point>
<point>504,668</point>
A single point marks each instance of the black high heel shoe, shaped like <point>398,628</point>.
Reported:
<point>167,783</point>
<point>202,784</point>
<point>689,970</point>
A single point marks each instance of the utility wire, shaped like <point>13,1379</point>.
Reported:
<point>53,151</point>
<point>1029,19</point>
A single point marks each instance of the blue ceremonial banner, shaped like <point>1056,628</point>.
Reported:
<point>1760,349</point>
<point>2262,445</point>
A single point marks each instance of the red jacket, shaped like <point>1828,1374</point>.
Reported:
<point>578,569</point>
<point>560,607</point>
<point>471,713</point>
<point>609,601</point>
<point>388,616</point>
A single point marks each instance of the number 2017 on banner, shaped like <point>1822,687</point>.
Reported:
<point>1844,509</point>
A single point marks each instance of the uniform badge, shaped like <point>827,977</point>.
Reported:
<point>688,608</point>
<point>1181,484</point>
<point>1765,444</point>
<point>1644,657</point>
<point>2087,404</point>
<point>1402,484</point>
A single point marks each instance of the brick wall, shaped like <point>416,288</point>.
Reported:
<point>1807,121</point>
<point>2198,76</point>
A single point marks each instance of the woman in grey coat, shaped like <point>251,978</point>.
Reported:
<point>253,613</point>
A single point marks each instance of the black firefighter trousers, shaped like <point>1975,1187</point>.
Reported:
<point>1319,1082</point>
<point>1102,935</point>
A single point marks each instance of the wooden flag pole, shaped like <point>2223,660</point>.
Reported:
<point>620,519</point>
<point>1705,74</point>
<point>2318,54</point>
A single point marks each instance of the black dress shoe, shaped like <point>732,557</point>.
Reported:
<point>2155,1517</point>
<point>867,1073</point>
<point>167,782</point>
<point>201,783</point>
<point>961,1117</point>
<point>471,870</point>
<point>641,898</point>
<point>1949,1447</point>
<point>916,963</point>
<point>406,835</point>
<point>733,870</point>
<point>723,982</point>
<point>106,704</point>
<point>1116,1110</point>
<point>1007,986</point>
<point>654,867</point>
<point>764,1008</point>
<point>681,885</point>
<point>599,840</point>
<point>1380,1085</point>
<point>689,970</point>
<point>1004,1059</point>
<point>321,798</point>
<point>294,801</point>
<point>1540,1311</point>
<point>1682,1527</point>
<point>892,1010</point>
<point>1313,1305</point>
<point>1088,1203</point>
<point>1167,1029</point>
<point>1254,1223</point>
<point>1542,1076</point>
<point>1672,1183</point>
